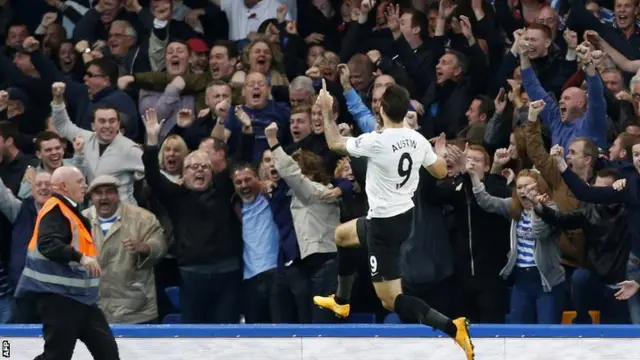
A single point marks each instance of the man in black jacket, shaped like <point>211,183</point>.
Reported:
<point>607,244</point>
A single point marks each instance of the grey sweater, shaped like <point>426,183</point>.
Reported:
<point>547,249</point>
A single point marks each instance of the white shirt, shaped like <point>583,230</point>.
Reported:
<point>394,159</point>
<point>242,21</point>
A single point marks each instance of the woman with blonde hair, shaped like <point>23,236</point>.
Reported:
<point>171,157</point>
<point>534,259</point>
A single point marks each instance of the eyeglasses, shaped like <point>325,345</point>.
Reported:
<point>92,75</point>
<point>197,167</point>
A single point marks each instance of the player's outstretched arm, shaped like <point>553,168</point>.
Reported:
<point>438,169</point>
<point>335,141</point>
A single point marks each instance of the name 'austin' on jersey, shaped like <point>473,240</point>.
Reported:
<point>395,156</point>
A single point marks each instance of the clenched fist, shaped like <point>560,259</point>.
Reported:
<point>57,90</point>
<point>271,131</point>
<point>30,44</point>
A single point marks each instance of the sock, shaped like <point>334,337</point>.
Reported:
<point>345,283</point>
<point>347,263</point>
<point>413,310</point>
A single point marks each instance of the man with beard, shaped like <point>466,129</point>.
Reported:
<point>125,232</point>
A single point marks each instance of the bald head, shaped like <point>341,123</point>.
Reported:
<point>69,181</point>
<point>573,104</point>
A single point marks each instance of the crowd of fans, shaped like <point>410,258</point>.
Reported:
<point>163,105</point>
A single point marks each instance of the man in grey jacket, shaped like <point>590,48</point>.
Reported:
<point>106,150</point>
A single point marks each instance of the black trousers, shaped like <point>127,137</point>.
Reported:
<point>65,321</point>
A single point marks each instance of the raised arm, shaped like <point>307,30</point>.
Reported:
<point>60,117</point>
<point>335,141</point>
<point>9,203</point>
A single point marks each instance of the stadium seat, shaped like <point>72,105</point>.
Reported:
<point>172,319</point>
<point>173,292</point>
<point>568,316</point>
<point>362,318</point>
<point>392,319</point>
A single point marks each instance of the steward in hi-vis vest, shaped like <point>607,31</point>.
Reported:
<point>43,275</point>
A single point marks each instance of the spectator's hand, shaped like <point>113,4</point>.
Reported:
<point>162,11</point>
<point>271,132</point>
<point>185,118</point>
<point>446,8</point>
<point>292,29</point>
<point>393,19</point>
<point>508,174</point>
<point>81,46</point>
<point>454,160</point>
<point>583,52</point>
<point>313,72</point>
<point>597,56</point>
<point>314,38</point>
<point>366,6</point>
<point>524,47</point>
<point>593,38</point>
<point>132,6</point>
<point>624,96</point>
<point>178,82</point>
<point>57,92</point>
<point>417,106</point>
<point>501,157</point>
<point>48,19</point>
<point>517,38</point>
<point>627,289</point>
<point>222,109</point>
<point>355,12</point>
<point>557,152</point>
<point>78,146</point>
<point>344,129</point>
<point>330,195</point>
<point>374,55</point>
<point>571,38</point>
<point>345,77</point>
<point>99,45</point>
<point>242,116</point>
<point>152,125</point>
<point>30,44</point>
<point>543,199</point>
<point>204,112</point>
<point>465,26</point>
<point>91,266</point>
<point>500,101</point>
<point>125,81</point>
<point>325,100</point>
<point>136,246</point>
<point>534,110</point>
<point>619,184</point>
<point>29,175</point>
<point>283,9</point>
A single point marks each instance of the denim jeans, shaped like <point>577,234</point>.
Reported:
<point>6,309</point>
<point>589,293</point>
<point>256,296</point>
<point>529,303</point>
<point>210,297</point>
<point>633,272</point>
<point>294,288</point>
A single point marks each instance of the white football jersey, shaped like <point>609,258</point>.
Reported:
<point>395,156</point>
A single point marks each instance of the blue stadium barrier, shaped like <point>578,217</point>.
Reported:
<point>346,330</point>
<point>362,318</point>
<point>173,293</point>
